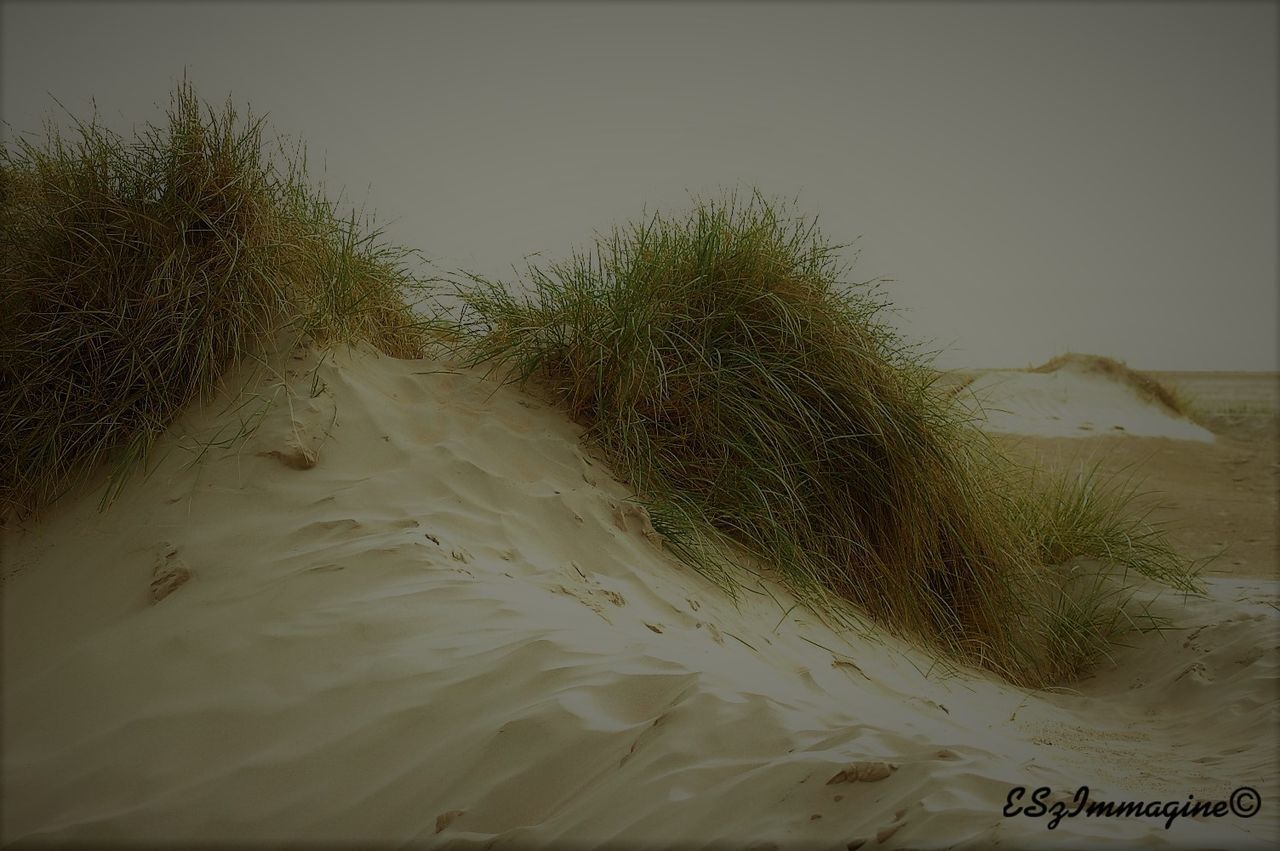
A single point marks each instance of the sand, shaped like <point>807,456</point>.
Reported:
<point>410,607</point>
<point>1072,402</point>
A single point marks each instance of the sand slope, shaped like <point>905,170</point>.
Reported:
<point>1072,402</point>
<point>412,608</point>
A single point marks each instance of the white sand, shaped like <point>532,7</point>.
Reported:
<point>1072,402</point>
<point>452,622</point>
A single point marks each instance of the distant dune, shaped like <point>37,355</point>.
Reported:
<point>1078,395</point>
<point>1147,386</point>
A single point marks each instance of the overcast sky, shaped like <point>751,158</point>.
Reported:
<point>1036,177</point>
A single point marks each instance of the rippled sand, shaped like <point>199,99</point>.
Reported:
<point>410,607</point>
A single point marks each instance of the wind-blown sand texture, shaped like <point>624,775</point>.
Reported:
<point>412,608</point>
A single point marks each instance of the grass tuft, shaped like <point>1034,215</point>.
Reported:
<point>135,272</point>
<point>756,403</point>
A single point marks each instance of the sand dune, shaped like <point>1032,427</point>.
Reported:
<point>411,607</point>
<point>1073,401</point>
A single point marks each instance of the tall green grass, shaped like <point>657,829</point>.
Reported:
<point>756,402</point>
<point>134,272</point>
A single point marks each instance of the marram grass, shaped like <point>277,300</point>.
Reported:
<point>753,399</point>
<point>135,272</point>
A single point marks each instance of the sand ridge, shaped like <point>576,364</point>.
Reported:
<point>1072,401</point>
<point>452,628</point>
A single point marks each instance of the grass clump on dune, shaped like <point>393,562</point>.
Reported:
<point>754,401</point>
<point>135,272</point>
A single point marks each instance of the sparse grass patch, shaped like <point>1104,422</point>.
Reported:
<point>1089,516</point>
<point>756,402</point>
<point>135,272</point>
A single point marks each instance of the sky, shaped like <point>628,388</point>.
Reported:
<point>1035,178</point>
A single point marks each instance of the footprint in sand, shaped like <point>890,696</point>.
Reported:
<point>613,597</point>
<point>714,632</point>
<point>309,429</point>
<point>883,834</point>
<point>864,772</point>
<point>168,574</point>
<point>847,665</point>
<point>295,457</point>
<point>447,818</point>
<point>628,516</point>
<point>1196,672</point>
<point>583,597</point>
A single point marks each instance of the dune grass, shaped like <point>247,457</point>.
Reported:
<point>135,272</point>
<point>755,402</point>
